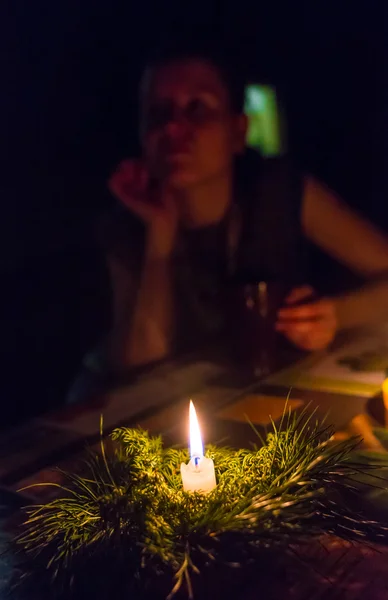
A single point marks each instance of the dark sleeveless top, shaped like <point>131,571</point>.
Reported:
<point>269,246</point>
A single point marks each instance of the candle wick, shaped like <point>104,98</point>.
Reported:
<point>196,461</point>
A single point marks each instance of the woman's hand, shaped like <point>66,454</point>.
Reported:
<point>156,208</point>
<point>309,323</point>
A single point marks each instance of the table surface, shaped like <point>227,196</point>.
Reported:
<point>158,401</point>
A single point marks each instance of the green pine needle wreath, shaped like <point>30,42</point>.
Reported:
<point>127,518</point>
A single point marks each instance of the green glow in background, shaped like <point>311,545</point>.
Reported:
<point>261,108</point>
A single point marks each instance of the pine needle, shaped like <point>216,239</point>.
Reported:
<point>129,513</point>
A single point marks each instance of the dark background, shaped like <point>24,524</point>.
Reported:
<point>68,114</point>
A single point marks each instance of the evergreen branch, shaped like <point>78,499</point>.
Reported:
<point>129,511</point>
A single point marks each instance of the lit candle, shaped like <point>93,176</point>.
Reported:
<point>198,475</point>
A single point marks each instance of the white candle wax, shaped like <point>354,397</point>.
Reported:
<point>198,475</point>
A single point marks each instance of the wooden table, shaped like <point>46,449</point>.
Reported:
<point>158,401</point>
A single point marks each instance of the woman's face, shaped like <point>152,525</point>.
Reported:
<point>190,133</point>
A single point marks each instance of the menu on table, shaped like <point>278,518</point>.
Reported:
<point>357,368</point>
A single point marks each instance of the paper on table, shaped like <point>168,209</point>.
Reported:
<point>357,368</point>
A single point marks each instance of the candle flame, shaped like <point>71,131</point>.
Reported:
<point>196,446</point>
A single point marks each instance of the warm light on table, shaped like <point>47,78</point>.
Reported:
<point>198,475</point>
<point>385,398</point>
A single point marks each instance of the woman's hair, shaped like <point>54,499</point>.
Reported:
<point>208,48</point>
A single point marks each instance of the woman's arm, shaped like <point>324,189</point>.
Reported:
<point>142,328</point>
<point>143,317</point>
<point>352,241</point>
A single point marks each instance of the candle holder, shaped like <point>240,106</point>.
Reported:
<point>124,527</point>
